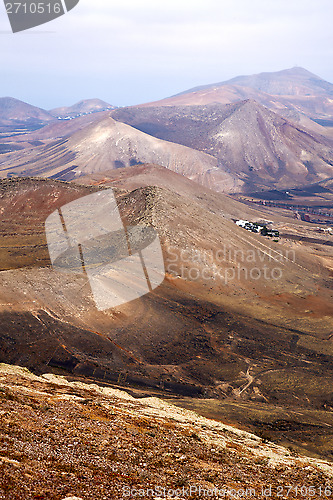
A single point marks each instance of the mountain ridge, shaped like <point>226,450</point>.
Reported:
<point>249,140</point>
<point>265,82</point>
<point>20,112</point>
<point>107,144</point>
<point>288,91</point>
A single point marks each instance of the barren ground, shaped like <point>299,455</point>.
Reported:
<point>63,439</point>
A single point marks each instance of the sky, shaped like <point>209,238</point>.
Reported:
<point>130,51</point>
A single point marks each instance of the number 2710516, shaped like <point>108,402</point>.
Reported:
<point>33,8</point>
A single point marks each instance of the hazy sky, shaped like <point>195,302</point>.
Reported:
<point>134,51</point>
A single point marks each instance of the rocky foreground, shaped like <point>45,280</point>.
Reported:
<point>62,439</point>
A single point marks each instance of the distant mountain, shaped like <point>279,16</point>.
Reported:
<point>241,147</point>
<point>249,141</point>
<point>84,107</point>
<point>16,112</point>
<point>294,81</point>
<point>294,89</point>
<point>109,144</point>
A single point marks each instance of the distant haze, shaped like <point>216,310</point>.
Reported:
<point>136,52</point>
